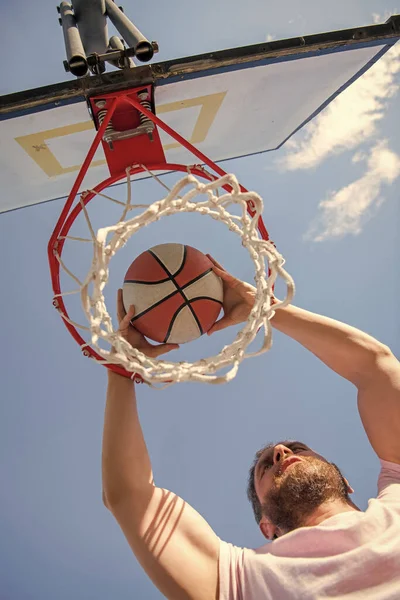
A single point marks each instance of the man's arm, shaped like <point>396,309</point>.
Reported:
<point>354,355</point>
<point>361,359</point>
<point>173,543</point>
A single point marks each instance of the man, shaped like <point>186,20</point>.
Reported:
<point>324,546</point>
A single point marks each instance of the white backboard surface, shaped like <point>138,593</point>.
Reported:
<point>243,110</point>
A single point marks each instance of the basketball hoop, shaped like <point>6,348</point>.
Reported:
<point>220,190</point>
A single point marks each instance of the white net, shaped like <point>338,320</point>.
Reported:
<point>190,195</point>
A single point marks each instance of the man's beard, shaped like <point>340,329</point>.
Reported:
<point>302,488</point>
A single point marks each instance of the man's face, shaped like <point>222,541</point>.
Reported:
<point>291,481</point>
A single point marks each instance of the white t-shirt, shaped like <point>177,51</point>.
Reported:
<point>351,556</point>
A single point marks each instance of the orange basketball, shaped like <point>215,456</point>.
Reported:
<point>176,294</point>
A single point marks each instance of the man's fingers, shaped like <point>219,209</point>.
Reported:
<point>129,315</point>
<point>126,321</point>
<point>221,324</point>
<point>225,276</point>
<point>214,262</point>
<point>221,272</point>
<point>124,318</point>
<point>120,306</point>
<point>131,312</point>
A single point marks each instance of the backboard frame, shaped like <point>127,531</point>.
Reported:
<point>208,98</point>
<point>45,97</point>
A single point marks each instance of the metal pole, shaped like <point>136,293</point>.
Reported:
<point>76,58</point>
<point>144,50</point>
<point>122,62</point>
<point>91,19</point>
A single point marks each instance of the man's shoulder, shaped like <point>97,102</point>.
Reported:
<point>389,482</point>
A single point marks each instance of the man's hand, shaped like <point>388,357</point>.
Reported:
<point>238,298</point>
<point>134,337</point>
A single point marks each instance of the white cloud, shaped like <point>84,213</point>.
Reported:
<point>359,157</point>
<point>349,120</point>
<point>378,18</point>
<point>270,37</point>
<point>345,211</point>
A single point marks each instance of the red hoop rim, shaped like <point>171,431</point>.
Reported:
<point>70,212</point>
<point>57,241</point>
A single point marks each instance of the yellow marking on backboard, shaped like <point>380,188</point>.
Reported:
<point>210,106</point>
<point>35,144</point>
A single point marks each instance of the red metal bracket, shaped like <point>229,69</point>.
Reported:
<point>142,148</point>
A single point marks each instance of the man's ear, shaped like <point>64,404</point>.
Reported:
<point>268,530</point>
<point>349,488</point>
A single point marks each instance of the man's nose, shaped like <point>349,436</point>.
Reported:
<point>280,453</point>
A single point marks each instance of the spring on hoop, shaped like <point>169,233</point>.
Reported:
<point>147,105</point>
<point>101,115</point>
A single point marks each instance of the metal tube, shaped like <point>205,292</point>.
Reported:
<point>91,19</point>
<point>120,62</point>
<point>76,57</point>
<point>144,50</point>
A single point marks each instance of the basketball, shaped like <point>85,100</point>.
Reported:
<point>176,295</point>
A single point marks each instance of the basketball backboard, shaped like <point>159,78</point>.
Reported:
<point>229,104</point>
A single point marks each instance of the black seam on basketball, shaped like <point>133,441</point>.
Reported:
<point>160,262</point>
<point>193,312</point>
<point>195,279</point>
<point>144,312</point>
<point>183,262</point>
<point>206,298</point>
<point>171,277</point>
<point>186,301</point>
<point>171,324</point>
<point>196,318</point>
<point>147,282</point>
<point>175,316</point>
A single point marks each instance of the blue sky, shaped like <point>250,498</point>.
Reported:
<point>331,205</point>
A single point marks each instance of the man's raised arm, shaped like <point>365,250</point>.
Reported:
<point>361,359</point>
<point>173,543</point>
<point>354,355</point>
